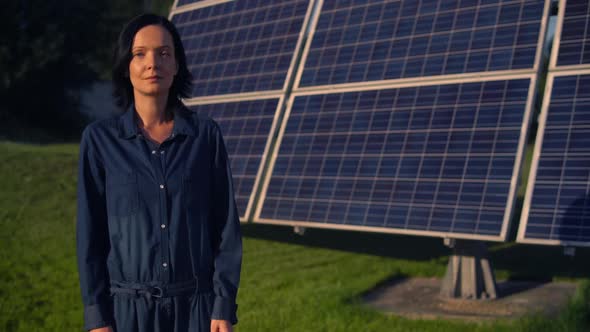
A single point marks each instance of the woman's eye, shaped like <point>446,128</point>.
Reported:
<point>139,54</point>
<point>165,53</point>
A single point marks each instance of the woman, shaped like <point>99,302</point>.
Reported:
<point>158,235</point>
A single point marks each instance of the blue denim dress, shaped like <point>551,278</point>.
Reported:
<point>158,233</point>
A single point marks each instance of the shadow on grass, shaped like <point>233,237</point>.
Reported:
<point>522,262</point>
<point>377,244</point>
<point>540,263</point>
<point>389,282</point>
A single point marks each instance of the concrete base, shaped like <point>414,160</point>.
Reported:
<point>419,298</point>
<point>469,273</point>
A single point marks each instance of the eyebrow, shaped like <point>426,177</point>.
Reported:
<point>157,48</point>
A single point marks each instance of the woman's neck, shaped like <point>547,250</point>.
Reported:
<point>151,111</point>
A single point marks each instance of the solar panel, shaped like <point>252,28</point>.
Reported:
<point>436,159</point>
<point>557,204</point>
<point>241,46</point>
<point>574,39</point>
<point>245,126</point>
<point>359,41</point>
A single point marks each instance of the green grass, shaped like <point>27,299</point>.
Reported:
<point>289,282</point>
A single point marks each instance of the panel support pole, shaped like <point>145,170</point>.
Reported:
<point>469,272</point>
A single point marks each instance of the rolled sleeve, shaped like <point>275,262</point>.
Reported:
<point>227,239</point>
<point>97,316</point>
<point>225,309</point>
<point>92,245</point>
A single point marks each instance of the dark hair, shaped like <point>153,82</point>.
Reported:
<point>122,88</point>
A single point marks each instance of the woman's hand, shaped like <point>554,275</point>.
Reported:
<point>218,325</point>
<point>102,329</point>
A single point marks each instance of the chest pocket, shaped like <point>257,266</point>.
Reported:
<point>122,194</point>
<point>195,191</point>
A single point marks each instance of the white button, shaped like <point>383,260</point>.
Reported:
<point>154,152</point>
<point>163,226</point>
<point>162,152</point>
<point>161,186</point>
<point>164,264</point>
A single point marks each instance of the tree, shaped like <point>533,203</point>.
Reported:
<point>49,51</point>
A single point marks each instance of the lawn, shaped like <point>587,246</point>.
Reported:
<point>289,282</point>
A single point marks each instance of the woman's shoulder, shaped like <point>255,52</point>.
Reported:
<point>201,120</point>
<point>101,127</point>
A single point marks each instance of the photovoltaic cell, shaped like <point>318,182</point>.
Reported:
<point>574,47</point>
<point>433,158</point>
<point>241,46</point>
<point>358,41</point>
<point>559,208</point>
<point>245,127</point>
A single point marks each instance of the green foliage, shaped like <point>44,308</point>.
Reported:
<point>289,282</point>
<point>49,51</point>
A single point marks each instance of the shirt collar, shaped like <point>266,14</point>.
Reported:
<point>127,127</point>
<point>183,123</point>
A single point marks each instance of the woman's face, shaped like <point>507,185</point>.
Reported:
<point>153,62</point>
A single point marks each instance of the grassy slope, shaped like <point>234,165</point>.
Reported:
<point>290,283</point>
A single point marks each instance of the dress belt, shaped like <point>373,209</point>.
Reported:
<point>157,291</point>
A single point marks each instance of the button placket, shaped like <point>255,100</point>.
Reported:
<point>159,169</point>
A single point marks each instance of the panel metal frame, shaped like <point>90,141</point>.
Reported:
<point>456,79</point>
<point>557,42</point>
<point>467,76</point>
<point>535,163</point>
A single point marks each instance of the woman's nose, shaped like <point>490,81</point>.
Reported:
<point>152,60</point>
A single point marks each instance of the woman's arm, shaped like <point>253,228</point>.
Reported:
<point>220,326</point>
<point>227,239</point>
<point>103,329</point>
<point>92,237</point>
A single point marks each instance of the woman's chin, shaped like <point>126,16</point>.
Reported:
<point>154,92</point>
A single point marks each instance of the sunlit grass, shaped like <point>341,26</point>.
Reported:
<point>289,282</point>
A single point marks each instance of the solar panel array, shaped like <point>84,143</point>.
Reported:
<point>241,46</point>
<point>557,205</point>
<point>357,41</point>
<point>436,156</point>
